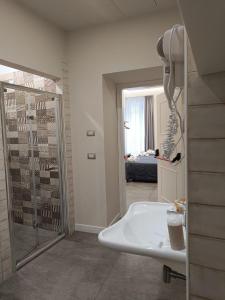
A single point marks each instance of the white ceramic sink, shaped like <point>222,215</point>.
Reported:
<point>143,230</point>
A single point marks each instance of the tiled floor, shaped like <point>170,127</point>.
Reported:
<point>141,191</point>
<point>25,239</point>
<point>79,268</point>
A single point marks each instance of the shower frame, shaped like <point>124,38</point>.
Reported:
<point>61,165</point>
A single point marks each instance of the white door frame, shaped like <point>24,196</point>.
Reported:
<point>121,147</point>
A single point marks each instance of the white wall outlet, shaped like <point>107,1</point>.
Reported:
<point>91,155</point>
<point>90,132</point>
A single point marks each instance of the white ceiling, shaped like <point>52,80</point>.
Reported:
<point>73,14</point>
<point>205,28</point>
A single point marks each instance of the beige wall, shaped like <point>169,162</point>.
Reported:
<point>206,178</point>
<point>28,41</point>
<point>92,52</point>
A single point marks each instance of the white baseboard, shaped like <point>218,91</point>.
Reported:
<point>115,219</point>
<point>88,228</point>
<point>94,229</point>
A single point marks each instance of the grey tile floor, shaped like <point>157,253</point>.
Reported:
<point>25,239</point>
<point>78,268</point>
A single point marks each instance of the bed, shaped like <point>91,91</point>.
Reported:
<point>142,169</point>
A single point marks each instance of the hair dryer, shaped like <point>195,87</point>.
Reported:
<point>170,48</point>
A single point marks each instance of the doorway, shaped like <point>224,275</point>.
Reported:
<point>140,142</point>
<point>32,137</point>
<point>144,120</point>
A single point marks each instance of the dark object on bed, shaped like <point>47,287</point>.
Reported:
<point>156,152</point>
<point>142,169</point>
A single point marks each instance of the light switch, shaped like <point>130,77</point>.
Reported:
<point>90,132</point>
<point>91,155</point>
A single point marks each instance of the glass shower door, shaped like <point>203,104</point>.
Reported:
<point>19,149</point>
<point>33,167</point>
<point>46,165</point>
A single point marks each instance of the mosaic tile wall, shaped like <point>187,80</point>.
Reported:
<point>42,83</point>
<point>33,155</point>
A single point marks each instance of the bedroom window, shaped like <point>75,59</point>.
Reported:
<point>134,118</point>
<point>139,124</point>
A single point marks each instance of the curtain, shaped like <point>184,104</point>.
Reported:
<point>134,116</point>
<point>149,123</point>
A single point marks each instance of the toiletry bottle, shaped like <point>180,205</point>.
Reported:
<point>175,228</point>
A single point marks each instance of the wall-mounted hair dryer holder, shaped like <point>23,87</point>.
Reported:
<point>170,48</point>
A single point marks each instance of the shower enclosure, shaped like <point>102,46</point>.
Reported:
<point>31,127</point>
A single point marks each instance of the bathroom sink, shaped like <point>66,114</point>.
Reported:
<point>143,231</point>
